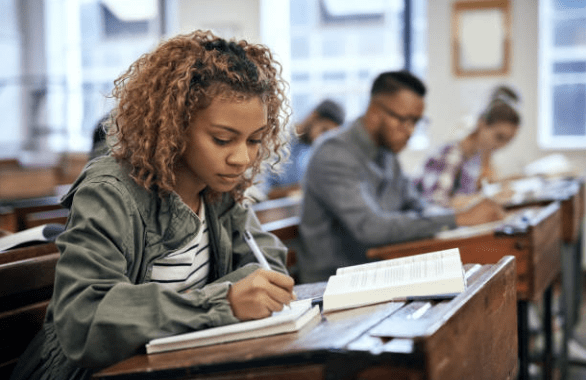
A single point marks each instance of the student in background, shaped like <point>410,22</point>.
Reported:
<point>328,115</point>
<point>355,193</point>
<point>454,174</point>
<point>99,143</point>
<point>154,244</point>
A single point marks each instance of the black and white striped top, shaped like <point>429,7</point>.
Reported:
<point>188,267</point>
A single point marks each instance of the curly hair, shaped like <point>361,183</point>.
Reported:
<point>161,93</point>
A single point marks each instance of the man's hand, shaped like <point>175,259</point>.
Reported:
<point>483,212</point>
<point>260,293</point>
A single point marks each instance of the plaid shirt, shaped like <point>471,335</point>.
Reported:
<point>447,173</point>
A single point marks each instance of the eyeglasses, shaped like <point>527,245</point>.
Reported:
<point>410,122</point>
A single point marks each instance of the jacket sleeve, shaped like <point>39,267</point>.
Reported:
<point>334,180</point>
<point>100,315</point>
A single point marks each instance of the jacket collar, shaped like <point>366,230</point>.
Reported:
<point>364,141</point>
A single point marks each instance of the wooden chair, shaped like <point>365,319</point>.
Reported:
<point>25,290</point>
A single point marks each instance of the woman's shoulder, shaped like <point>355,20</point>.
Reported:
<point>106,170</point>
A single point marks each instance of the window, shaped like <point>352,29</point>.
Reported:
<point>562,67</point>
<point>351,43</point>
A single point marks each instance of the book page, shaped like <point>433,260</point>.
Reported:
<point>413,272</point>
<point>437,255</point>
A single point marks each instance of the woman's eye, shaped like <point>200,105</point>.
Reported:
<point>221,141</point>
<point>255,141</point>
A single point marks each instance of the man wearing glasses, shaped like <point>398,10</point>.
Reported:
<point>355,193</point>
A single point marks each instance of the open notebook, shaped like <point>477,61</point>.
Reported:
<point>288,320</point>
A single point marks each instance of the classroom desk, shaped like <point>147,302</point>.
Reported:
<point>19,209</point>
<point>570,193</point>
<point>470,336</point>
<point>281,217</point>
<point>533,238</point>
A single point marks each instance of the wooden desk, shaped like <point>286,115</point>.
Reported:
<point>470,336</point>
<point>21,208</point>
<point>535,241</point>
<point>281,217</point>
<point>570,193</point>
<point>278,213</point>
<point>25,290</point>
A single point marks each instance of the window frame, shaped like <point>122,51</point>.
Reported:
<point>548,56</point>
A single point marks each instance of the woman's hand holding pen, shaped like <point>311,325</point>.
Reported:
<point>260,293</point>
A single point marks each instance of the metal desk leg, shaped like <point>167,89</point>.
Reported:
<point>548,360</point>
<point>523,338</point>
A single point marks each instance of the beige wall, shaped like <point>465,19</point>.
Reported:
<point>230,18</point>
<point>451,97</point>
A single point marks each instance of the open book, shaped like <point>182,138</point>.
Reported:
<point>41,234</point>
<point>431,275</point>
<point>288,320</point>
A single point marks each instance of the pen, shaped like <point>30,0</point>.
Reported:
<point>256,250</point>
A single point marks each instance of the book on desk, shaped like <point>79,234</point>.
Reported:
<point>434,275</point>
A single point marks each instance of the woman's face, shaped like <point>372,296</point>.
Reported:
<point>495,136</point>
<point>222,142</point>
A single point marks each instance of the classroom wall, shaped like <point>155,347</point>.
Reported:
<point>451,97</point>
<point>229,18</point>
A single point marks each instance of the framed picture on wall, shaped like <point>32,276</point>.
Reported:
<point>481,35</point>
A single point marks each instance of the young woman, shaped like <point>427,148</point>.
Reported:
<point>153,245</point>
<point>456,171</point>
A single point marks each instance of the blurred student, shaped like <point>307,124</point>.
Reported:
<point>328,115</point>
<point>456,171</point>
<point>153,245</point>
<point>99,135</point>
<point>355,193</point>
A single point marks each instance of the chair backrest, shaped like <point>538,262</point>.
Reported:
<point>26,286</point>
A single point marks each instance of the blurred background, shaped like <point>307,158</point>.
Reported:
<point>60,58</point>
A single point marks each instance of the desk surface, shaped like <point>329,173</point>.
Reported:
<point>473,335</point>
<point>568,191</point>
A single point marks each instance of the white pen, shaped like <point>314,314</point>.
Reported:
<point>256,250</point>
<point>258,254</point>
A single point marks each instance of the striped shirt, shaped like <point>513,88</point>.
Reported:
<point>188,267</point>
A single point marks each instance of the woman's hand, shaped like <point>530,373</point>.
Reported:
<point>260,293</point>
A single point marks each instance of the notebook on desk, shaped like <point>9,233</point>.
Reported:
<point>288,320</point>
<point>42,234</point>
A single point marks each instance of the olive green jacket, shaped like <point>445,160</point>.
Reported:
<point>104,309</point>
